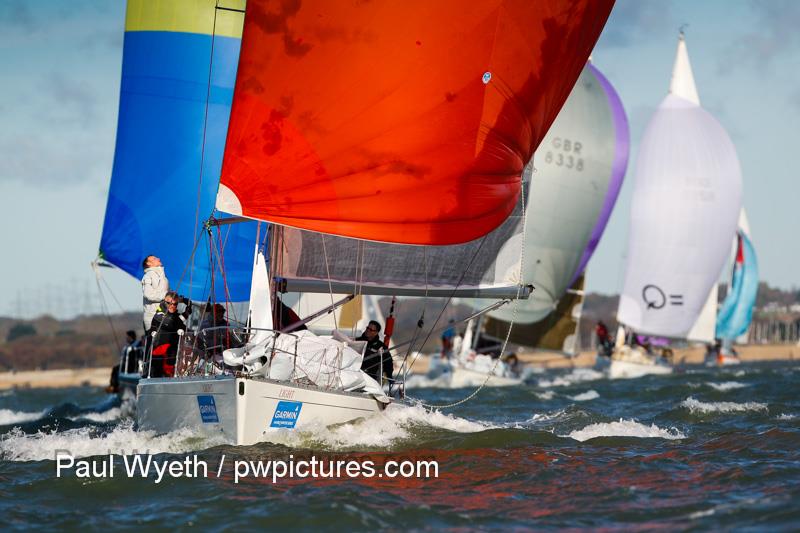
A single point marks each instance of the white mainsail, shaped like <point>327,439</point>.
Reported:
<point>686,200</point>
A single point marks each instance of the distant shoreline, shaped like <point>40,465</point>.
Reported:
<point>61,378</point>
<point>685,356</point>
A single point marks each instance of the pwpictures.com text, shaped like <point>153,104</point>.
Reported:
<point>147,466</point>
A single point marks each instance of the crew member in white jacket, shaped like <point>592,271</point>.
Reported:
<point>154,288</point>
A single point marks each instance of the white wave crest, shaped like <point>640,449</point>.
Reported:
<point>105,416</point>
<point>785,416</point>
<point>578,375</point>
<point>696,406</point>
<point>586,396</point>
<point>545,417</point>
<point>546,395</point>
<point>624,428</point>
<point>382,430</point>
<point>726,385</point>
<point>86,442</point>
<point>8,417</point>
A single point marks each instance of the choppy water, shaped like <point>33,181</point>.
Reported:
<point>706,449</point>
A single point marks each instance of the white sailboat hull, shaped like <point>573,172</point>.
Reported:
<point>452,375</point>
<point>727,360</point>
<point>244,410</point>
<point>464,377</point>
<point>631,363</point>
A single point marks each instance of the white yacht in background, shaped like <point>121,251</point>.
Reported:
<point>685,206</point>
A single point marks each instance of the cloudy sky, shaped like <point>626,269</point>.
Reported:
<point>58,101</point>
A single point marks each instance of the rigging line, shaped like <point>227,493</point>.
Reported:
<point>510,325</point>
<point>111,292</point>
<point>223,245</point>
<point>449,298</point>
<point>359,278</point>
<point>205,130</point>
<point>421,321</point>
<point>188,263</point>
<point>221,263</point>
<point>104,308</point>
<point>202,312</point>
<point>217,248</point>
<point>330,285</point>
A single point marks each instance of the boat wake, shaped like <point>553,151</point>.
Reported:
<point>9,417</point>
<point>101,413</point>
<point>696,406</point>
<point>88,441</point>
<point>391,428</point>
<point>625,428</point>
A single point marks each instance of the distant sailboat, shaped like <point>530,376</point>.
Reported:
<point>736,311</point>
<point>686,201</point>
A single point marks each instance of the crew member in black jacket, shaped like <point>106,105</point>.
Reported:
<point>377,359</point>
<point>166,324</point>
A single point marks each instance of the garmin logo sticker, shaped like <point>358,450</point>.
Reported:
<point>208,409</point>
<point>286,414</point>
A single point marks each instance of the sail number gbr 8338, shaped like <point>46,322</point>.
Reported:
<point>566,153</point>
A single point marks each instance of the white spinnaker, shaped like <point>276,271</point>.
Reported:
<point>686,201</point>
<point>566,193</point>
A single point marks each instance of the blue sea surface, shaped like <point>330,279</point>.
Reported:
<point>704,449</point>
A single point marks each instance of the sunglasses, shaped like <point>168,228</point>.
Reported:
<point>172,303</point>
<point>372,329</point>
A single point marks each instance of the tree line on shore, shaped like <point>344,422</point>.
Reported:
<point>95,340</point>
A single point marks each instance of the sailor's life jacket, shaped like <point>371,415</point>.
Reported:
<point>372,364</point>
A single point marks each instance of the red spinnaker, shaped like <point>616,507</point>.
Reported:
<point>398,121</point>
